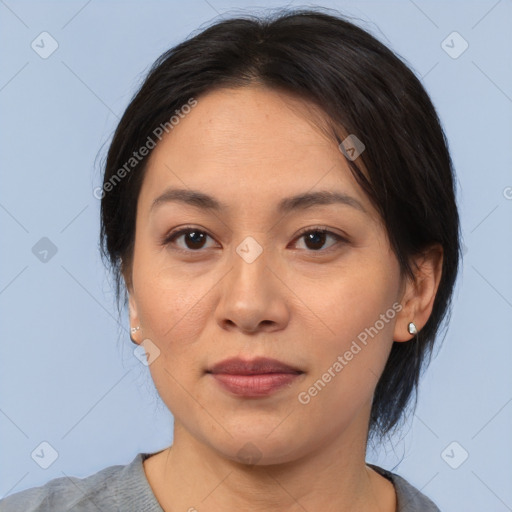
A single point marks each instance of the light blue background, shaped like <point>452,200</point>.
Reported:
<point>67,372</point>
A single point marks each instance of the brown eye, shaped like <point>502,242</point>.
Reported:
<point>315,239</point>
<point>193,239</point>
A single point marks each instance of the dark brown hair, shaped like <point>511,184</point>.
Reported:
<point>364,89</point>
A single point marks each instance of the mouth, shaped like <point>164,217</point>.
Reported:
<point>254,378</point>
<point>258,366</point>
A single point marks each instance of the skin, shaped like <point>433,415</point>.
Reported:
<point>301,303</point>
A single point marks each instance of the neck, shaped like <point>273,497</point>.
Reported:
<point>190,475</point>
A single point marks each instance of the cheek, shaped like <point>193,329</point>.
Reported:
<point>350,358</point>
<point>172,304</point>
<point>358,308</point>
<point>174,317</point>
<point>358,297</point>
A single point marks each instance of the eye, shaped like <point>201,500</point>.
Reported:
<point>315,238</point>
<point>193,238</point>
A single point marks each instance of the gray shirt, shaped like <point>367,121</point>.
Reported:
<point>125,487</point>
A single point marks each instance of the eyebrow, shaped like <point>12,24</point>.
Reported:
<point>203,201</point>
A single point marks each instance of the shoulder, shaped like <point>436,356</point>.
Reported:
<point>409,499</point>
<point>120,487</point>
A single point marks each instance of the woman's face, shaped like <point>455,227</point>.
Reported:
<point>247,282</point>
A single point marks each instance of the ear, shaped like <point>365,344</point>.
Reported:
<point>419,293</point>
<point>132,304</point>
<point>134,317</point>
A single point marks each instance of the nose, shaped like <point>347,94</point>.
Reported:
<point>253,297</point>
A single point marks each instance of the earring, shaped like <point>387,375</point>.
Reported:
<point>412,329</point>
<point>133,330</point>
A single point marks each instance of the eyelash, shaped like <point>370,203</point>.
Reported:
<point>171,237</point>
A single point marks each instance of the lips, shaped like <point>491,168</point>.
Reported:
<point>258,366</point>
<point>256,378</point>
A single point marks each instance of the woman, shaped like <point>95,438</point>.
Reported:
<point>278,208</point>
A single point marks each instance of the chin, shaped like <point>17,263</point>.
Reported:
<point>260,449</point>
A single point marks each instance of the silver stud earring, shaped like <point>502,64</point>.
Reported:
<point>412,329</point>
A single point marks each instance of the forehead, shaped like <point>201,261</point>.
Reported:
<point>252,144</point>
